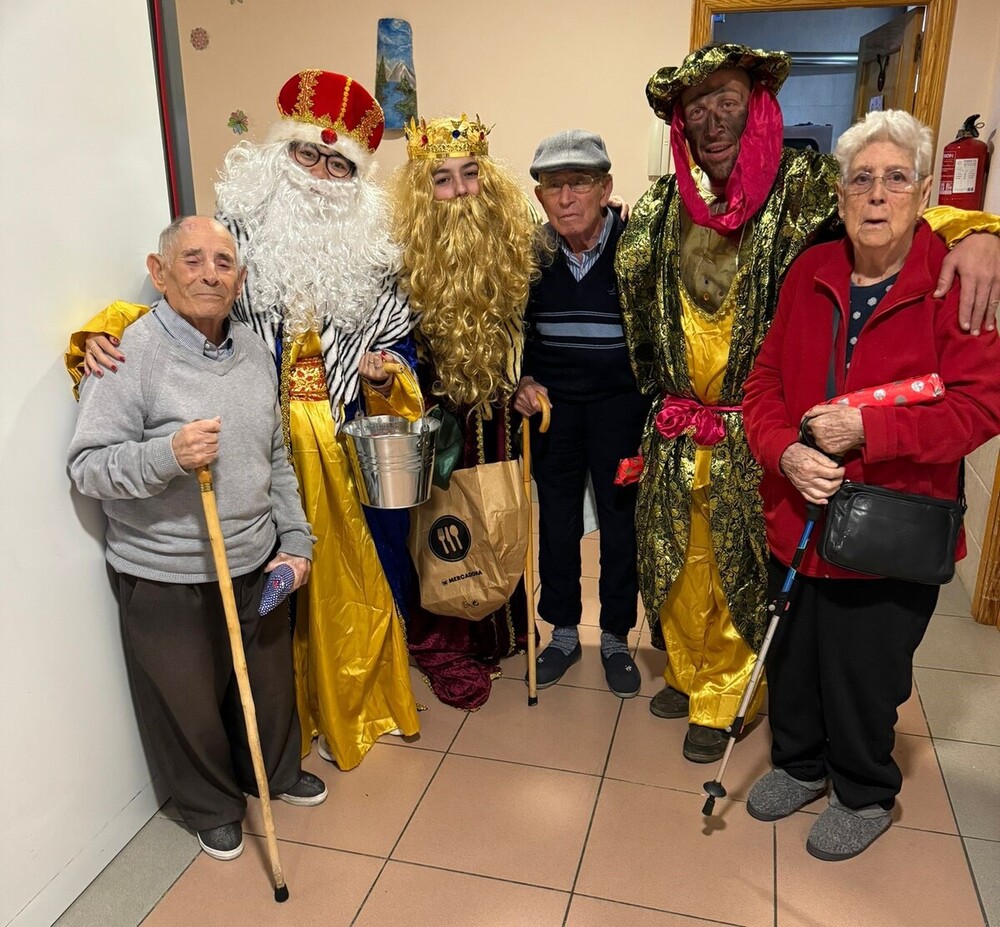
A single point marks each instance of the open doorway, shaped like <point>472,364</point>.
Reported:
<point>935,43</point>
<point>820,98</point>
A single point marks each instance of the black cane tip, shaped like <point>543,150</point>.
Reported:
<point>715,789</point>
<point>532,701</point>
<point>281,894</point>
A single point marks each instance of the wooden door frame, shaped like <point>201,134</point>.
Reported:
<point>936,50</point>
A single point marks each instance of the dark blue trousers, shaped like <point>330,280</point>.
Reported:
<point>587,438</point>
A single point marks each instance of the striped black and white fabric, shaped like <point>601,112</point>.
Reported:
<point>390,322</point>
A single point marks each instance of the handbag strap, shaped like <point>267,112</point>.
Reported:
<point>805,435</point>
<point>831,373</point>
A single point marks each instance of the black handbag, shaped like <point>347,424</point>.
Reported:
<point>896,535</point>
<point>888,533</point>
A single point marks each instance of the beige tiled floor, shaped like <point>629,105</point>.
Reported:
<point>581,812</point>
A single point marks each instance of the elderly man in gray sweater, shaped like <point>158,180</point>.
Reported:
<point>199,389</point>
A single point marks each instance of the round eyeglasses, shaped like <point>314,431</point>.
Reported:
<point>894,181</point>
<point>309,155</point>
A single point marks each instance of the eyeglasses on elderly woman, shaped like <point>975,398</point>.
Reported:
<point>898,181</point>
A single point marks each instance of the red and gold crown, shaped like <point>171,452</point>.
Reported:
<point>446,137</point>
<point>330,109</point>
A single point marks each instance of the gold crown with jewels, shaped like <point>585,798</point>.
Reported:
<point>446,137</point>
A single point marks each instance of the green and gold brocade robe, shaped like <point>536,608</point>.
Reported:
<point>801,203</point>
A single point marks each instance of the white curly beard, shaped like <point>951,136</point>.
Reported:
<point>318,250</point>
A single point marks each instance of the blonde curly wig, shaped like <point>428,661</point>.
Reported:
<point>468,263</point>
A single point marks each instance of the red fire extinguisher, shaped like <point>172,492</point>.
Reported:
<point>963,168</point>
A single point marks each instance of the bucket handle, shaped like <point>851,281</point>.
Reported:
<point>400,367</point>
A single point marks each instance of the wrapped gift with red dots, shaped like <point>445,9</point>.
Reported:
<point>899,393</point>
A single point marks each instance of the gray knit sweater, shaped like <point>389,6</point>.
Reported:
<point>121,454</point>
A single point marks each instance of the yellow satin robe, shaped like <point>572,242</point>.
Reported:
<point>351,665</point>
<point>707,658</point>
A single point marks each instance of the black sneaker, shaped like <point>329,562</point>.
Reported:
<point>308,791</point>
<point>552,663</point>
<point>621,674</point>
<point>224,842</point>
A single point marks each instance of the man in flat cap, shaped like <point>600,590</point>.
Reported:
<point>699,267</point>
<point>575,355</point>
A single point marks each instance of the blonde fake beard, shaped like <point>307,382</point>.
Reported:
<point>318,250</point>
<point>470,288</point>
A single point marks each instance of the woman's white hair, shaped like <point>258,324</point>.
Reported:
<point>891,125</point>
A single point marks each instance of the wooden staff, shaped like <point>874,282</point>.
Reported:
<point>242,677</point>
<point>529,580</point>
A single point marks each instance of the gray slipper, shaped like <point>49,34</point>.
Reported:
<point>841,832</point>
<point>777,795</point>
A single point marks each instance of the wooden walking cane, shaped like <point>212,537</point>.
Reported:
<point>529,581</point>
<point>242,677</point>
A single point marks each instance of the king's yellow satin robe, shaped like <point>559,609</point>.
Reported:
<point>351,665</point>
<point>706,657</point>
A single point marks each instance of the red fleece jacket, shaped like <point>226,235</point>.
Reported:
<point>914,448</point>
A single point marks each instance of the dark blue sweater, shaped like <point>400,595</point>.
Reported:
<point>574,344</point>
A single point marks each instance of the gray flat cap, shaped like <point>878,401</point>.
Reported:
<point>576,148</point>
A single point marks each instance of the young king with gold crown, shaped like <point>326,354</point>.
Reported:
<point>469,258</point>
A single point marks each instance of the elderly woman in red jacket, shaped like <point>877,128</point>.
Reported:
<point>841,664</point>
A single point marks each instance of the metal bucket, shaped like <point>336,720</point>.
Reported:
<point>392,459</point>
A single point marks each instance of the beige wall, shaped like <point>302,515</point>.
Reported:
<point>973,86</point>
<point>530,68</point>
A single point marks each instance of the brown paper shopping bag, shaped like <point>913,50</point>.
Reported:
<point>468,542</point>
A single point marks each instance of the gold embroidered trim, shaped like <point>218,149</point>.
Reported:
<point>307,90</point>
<point>343,102</point>
<point>307,380</point>
<point>369,123</point>
<point>283,387</point>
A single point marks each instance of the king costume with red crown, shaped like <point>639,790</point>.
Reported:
<point>330,109</point>
<point>468,262</point>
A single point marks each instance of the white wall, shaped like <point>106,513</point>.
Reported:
<point>84,196</point>
<point>973,86</point>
